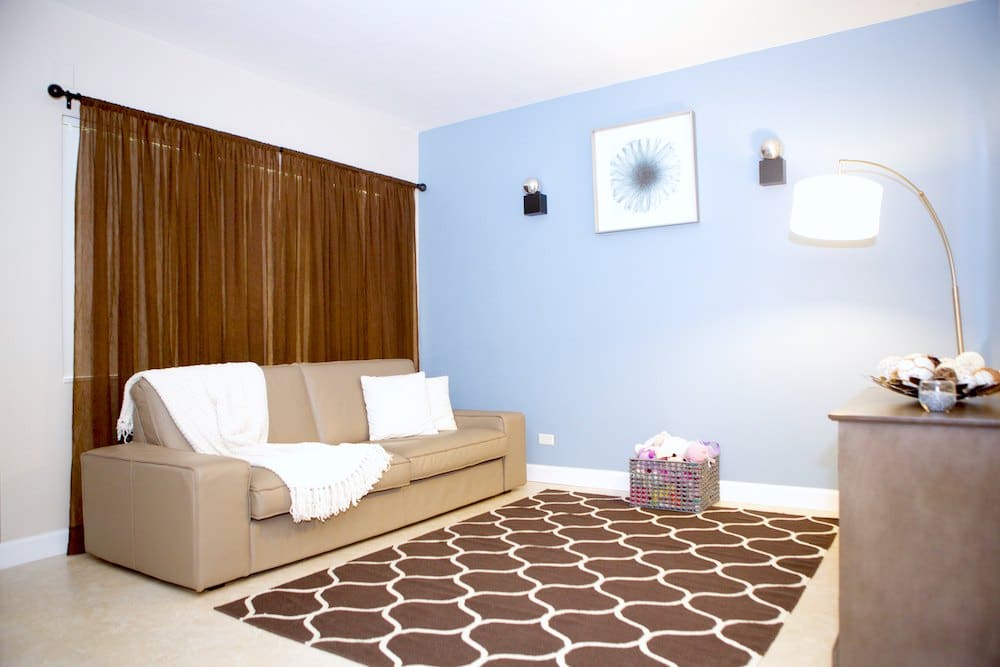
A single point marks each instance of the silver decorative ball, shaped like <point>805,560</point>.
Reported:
<point>531,186</point>
<point>771,149</point>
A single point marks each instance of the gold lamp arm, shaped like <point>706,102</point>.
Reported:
<point>959,336</point>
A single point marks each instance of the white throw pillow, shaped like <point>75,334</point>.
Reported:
<point>437,394</point>
<point>397,406</point>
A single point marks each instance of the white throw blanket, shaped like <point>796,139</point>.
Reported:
<point>222,409</point>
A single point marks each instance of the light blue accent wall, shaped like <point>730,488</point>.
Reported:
<point>992,95</point>
<point>725,329</point>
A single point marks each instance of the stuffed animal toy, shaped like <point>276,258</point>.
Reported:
<point>713,447</point>
<point>644,452</point>
<point>650,448</point>
<point>656,440</point>
<point>666,447</point>
<point>696,452</point>
<point>672,448</point>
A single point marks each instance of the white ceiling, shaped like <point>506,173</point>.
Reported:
<point>436,62</point>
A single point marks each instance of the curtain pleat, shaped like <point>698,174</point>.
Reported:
<point>345,257</point>
<point>195,246</point>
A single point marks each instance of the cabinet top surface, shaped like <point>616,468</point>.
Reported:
<point>876,404</point>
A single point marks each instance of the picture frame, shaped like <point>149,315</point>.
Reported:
<point>645,174</point>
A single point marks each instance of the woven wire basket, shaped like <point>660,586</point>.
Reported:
<point>680,486</point>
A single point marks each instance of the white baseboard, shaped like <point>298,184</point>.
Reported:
<point>36,547</point>
<point>779,495</point>
<point>612,480</point>
<point>750,493</point>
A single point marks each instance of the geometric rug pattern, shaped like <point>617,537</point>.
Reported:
<point>560,578</point>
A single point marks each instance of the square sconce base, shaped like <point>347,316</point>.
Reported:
<point>772,171</point>
<point>535,204</point>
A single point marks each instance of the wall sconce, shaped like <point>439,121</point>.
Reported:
<point>771,168</point>
<point>534,201</point>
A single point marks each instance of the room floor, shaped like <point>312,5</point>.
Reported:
<point>83,611</point>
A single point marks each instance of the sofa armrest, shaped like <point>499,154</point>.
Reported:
<point>515,471</point>
<point>176,515</point>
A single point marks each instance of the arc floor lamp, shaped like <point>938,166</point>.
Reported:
<point>845,207</point>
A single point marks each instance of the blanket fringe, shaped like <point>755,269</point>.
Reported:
<point>126,417</point>
<point>326,501</point>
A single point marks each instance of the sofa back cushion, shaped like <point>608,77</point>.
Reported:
<point>290,417</point>
<point>337,402</point>
<point>306,403</point>
<point>289,410</point>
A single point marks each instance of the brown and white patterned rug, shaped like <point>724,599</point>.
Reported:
<point>560,578</point>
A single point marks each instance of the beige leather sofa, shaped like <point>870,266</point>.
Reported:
<point>156,506</point>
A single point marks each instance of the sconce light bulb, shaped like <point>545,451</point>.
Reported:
<point>531,186</point>
<point>771,149</point>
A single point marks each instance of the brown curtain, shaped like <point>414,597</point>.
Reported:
<point>195,246</point>
<point>345,264</point>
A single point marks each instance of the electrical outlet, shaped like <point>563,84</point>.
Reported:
<point>546,439</point>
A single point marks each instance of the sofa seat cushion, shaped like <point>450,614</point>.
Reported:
<point>431,455</point>
<point>270,497</point>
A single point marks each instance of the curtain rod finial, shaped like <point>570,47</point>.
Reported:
<point>422,187</point>
<point>57,91</point>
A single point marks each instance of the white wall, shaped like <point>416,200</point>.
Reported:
<point>43,42</point>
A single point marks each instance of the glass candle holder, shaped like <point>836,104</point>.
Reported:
<point>937,395</point>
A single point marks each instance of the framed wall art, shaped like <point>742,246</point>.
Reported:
<point>645,174</point>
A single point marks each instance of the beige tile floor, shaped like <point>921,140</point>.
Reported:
<point>83,611</point>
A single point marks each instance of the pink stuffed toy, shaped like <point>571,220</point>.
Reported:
<point>650,448</point>
<point>696,452</point>
<point>713,447</point>
<point>644,452</point>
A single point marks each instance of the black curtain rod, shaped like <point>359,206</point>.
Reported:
<point>57,91</point>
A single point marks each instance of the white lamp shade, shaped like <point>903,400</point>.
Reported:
<point>836,208</point>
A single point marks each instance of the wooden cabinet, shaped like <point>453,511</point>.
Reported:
<point>920,532</point>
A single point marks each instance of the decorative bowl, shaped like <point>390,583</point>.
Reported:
<point>962,391</point>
